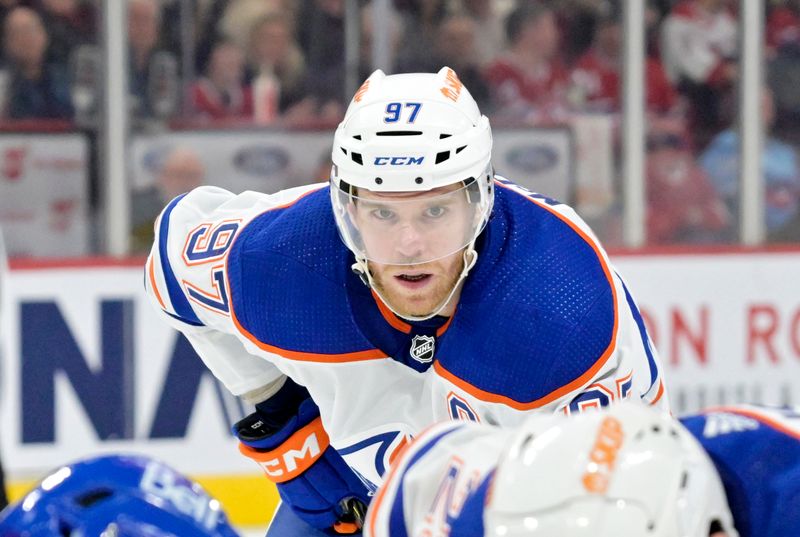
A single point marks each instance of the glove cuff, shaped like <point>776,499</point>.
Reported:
<point>294,456</point>
<point>255,430</point>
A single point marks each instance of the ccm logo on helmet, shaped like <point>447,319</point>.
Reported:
<point>398,161</point>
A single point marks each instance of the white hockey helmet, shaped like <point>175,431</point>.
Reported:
<point>402,137</point>
<point>625,471</point>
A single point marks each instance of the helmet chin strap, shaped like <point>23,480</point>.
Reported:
<point>361,268</point>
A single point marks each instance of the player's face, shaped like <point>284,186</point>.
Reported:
<point>414,243</point>
<point>413,228</point>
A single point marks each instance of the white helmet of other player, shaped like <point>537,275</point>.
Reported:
<point>625,471</point>
<point>412,159</point>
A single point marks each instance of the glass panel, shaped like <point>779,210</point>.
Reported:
<point>204,87</point>
<point>50,87</point>
<point>782,122</point>
<point>593,45</point>
<point>692,142</point>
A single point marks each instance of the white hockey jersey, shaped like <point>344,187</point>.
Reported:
<point>440,484</point>
<point>261,286</point>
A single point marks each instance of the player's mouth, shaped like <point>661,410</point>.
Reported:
<point>413,281</point>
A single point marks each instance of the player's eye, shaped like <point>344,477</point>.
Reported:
<point>436,211</point>
<point>382,213</point>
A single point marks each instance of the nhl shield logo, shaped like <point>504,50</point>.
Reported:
<point>422,348</point>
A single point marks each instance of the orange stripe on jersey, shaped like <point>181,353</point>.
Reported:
<point>490,397</point>
<point>620,382</point>
<point>300,356</point>
<point>398,450</point>
<point>659,394</point>
<point>398,324</point>
<point>442,329</point>
<point>390,317</point>
<point>152,274</point>
<point>766,420</point>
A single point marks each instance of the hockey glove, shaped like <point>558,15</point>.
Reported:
<point>311,476</point>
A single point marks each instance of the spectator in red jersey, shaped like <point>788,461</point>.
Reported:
<point>698,42</point>
<point>37,89</point>
<point>529,81</point>
<point>597,75</point>
<point>221,93</point>
<point>698,48</point>
<point>783,25</point>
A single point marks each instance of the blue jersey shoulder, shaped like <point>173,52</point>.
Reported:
<point>757,455</point>
<point>538,310</point>
<point>536,313</point>
<point>287,274</point>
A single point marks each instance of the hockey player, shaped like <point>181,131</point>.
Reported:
<point>111,495</point>
<point>624,471</point>
<point>416,286</point>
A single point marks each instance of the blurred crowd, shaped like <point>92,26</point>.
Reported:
<point>526,62</point>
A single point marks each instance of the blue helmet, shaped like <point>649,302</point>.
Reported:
<point>123,496</point>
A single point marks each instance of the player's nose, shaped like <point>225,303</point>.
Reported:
<point>409,241</point>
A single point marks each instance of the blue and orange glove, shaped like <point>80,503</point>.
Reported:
<point>311,476</point>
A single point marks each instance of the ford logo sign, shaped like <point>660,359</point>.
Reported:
<point>532,158</point>
<point>260,160</point>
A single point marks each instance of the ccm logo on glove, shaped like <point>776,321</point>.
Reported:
<point>292,457</point>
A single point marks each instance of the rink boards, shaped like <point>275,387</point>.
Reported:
<point>88,368</point>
